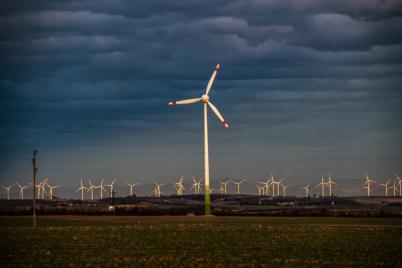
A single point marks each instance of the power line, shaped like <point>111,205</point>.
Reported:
<point>219,160</point>
<point>219,169</point>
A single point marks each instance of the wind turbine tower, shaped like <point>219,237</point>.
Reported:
<point>205,99</point>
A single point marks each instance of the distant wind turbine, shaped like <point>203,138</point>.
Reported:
<point>101,188</point>
<point>196,186</point>
<point>368,184</point>
<point>51,189</point>
<point>284,187</point>
<point>238,185</point>
<point>179,186</point>
<point>81,188</point>
<point>306,190</point>
<point>205,99</point>
<point>91,188</point>
<point>157,189</point>
<point>329,183</point>
<point>225,186</point>
<point>322,184</point>
<point>131,185</point>
<point>399,184</point>
<point>7,189</point>
<point>386,188</point>
<point>22,188</point>
<point>111,186</point>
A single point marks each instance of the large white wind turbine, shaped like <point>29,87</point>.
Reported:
<point>205,99</point>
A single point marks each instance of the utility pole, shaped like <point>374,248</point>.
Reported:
<point>35,169</point>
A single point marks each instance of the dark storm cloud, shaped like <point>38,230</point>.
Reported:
<point>294,74</point>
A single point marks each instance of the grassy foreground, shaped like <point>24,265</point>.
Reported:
<point>74,241</point>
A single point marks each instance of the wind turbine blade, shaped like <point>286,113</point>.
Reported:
<point>211,80</point>
<point>188,101</point>
<point>218,114</point>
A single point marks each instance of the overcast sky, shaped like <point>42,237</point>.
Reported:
<point>308,87</point>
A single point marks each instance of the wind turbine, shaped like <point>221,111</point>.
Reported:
<point>399,184</point>
<point>41,188</point>
<point>179,186</point>
<point>91,188</point>
<point>329,183</point>
<point>394,187</point>
<point>157,189</point>
<point>261,190</point>
<point>272,182</point>
<point>225,186</point>
<point>221,189</point>
<point>82,188</point>
<point>306,190</point>
<point>101,189</point>
<point>386,187</point>
<point>322,184</point>
<point>205,99</point>
<point>368,182</point>
<point>50,194</point>
<point>263,187</point>
<point>21,194</point>
<point>111,187</point>
<point>266,185</point>
<point>278,184</point>
<point>284,187</point>
<point>238,185</point>
<point>196,186</point>
<point>132,185</point>
<point>7,189</point>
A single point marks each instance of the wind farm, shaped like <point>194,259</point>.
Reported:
<point>201,133</point>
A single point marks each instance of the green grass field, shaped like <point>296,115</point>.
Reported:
<point>74,241</point>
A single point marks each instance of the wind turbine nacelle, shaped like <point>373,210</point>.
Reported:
<point>205,98</point>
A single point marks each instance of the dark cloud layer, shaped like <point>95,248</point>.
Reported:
<point>296,75</point>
